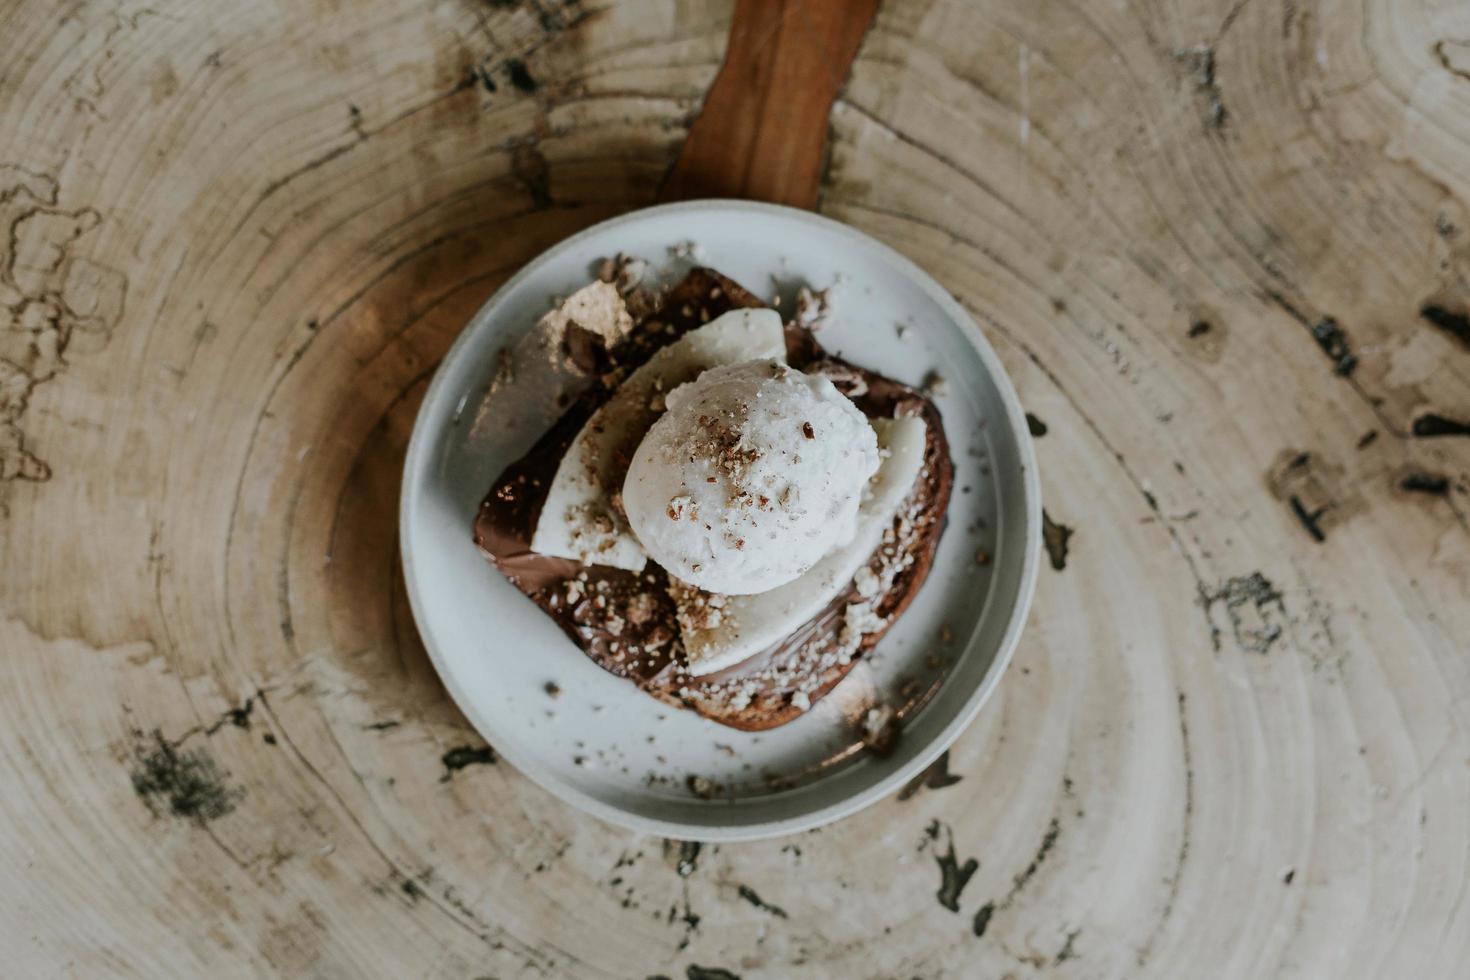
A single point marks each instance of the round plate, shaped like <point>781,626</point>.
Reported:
<point>600,743</point>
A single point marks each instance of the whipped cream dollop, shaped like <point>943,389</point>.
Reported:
<point>753,474</point>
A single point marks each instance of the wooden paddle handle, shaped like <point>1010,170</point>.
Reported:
<point>762,132</point>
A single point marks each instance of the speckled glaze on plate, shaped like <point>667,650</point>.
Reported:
<point>600,743</point>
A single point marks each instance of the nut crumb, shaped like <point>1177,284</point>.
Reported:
<point>630,273</point>
<point>689,251</point>
<point>813,308</point>
<point>641,609</point>
<point>880,729</point>
<point>935,385</point>
<point>505,370</point>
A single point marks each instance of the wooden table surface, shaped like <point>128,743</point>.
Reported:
<point>1222,247</point>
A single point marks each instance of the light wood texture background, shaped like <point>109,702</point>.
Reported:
<point>1223,248</point>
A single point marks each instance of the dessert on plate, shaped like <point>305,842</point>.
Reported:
<point>722,513</point>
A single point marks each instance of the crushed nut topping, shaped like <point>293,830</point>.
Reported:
<point>813,308</point>
<point>641,608</point>
<point>679,506</point>
<point>935,385</point>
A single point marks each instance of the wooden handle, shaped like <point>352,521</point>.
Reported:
<point>762,133</point>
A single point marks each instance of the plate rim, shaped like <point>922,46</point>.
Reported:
<point>567,792</point>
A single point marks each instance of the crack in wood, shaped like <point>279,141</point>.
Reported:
<point>935,776</point>
<point>688,919</point>
<point>461,756</point>
<point>1334,343</point>
<point>683,855</point>
<point>1275,297</point>
<point>1456,323</point>
<point>1315,489</point>
<point>1429,483</point>
<point>49,297</point>
<point>1442,52</point>
<point>709,973</point>
<point>1068,950</point>
<point>953,875</point>
<point>1056,536</point>
<point>238,717</point>
<point>1229,20</point>
<point>986,912</point>
<point>1311,520</point>
<point>748,894</point>
<point>982,919</point>
<point>1146,951</point>
<point>1432,425</point>
<point>1048,841</point>
<point>520,76</point>
<point>1199,65</point>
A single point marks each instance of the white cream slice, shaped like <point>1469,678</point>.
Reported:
<point>578,519</point>
<point>747,624</point>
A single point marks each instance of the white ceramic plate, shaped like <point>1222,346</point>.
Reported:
<point>602,744</point>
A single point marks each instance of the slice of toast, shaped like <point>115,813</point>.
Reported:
<point>625,621</point>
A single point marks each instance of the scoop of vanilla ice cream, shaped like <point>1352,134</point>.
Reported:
<point>752,476</point>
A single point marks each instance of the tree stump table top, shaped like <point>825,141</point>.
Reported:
<point>1222,247</point>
